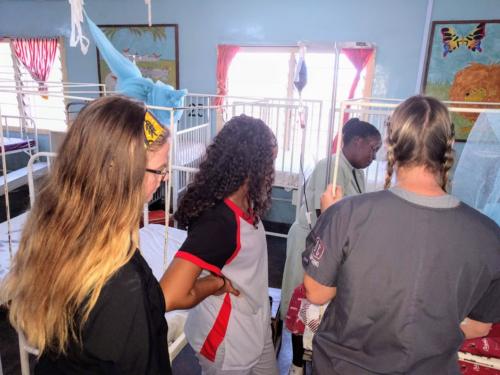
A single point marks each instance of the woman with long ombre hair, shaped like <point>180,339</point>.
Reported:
<point>79,288</point>
<point>410,271</point>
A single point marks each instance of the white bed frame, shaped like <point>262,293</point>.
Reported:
<point>200,121</point>
<point>201,118</point>
<point>190,138</point>
<point>295,124</point>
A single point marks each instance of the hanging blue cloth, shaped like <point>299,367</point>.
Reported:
<point>130,81</point>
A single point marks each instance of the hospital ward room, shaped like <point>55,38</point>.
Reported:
<point>249,188</point>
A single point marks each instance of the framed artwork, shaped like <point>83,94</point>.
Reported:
<point>463,64</point>
<point>154,49</point>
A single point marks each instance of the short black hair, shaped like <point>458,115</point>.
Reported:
<point>357,128</point>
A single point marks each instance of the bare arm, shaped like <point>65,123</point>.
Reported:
<point>182,288</point>
<point>328,198</point>
<point>317,293</point>
<point>473,328</point>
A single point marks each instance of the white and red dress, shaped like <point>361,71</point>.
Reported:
<point>230,331</point>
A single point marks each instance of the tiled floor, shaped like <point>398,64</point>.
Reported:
<point>186,363</point>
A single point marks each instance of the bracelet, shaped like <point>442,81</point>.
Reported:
<point>224,281</point>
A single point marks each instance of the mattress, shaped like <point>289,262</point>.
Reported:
<point>287,180</point>
<point>13,144</point>
<point>151,243</point>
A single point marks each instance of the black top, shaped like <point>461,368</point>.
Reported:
<point>406,276</point>
<point>212,238</point>
<point>126,332</point>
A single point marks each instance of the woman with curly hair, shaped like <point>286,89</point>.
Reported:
<point>230,326</point>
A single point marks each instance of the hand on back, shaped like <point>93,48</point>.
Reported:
<point>227,287</point>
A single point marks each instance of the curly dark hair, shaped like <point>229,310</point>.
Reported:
<point>244,149</point>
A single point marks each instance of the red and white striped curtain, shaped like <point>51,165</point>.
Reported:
<point>37,56</point>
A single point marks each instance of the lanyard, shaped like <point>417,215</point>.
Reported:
<point>356,180</point>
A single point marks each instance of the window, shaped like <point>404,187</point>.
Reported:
<point>268,72</point>
<point>9,105</point>
<point>46,112</point>
<point>263,72</point>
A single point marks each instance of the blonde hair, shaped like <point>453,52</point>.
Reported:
<point>420,133</point>
<point>83,226</point>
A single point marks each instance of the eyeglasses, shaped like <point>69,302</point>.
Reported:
<point>161,172</point>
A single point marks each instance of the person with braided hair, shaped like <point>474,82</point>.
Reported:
<point>229,326</point>
<point>410,271</point>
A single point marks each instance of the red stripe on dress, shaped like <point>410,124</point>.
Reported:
<point>238,241</point>
<point>198,261</point>
<point>218,331</point>
<point>238,211</point>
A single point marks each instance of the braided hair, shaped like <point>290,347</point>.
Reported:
<point>420,132</point>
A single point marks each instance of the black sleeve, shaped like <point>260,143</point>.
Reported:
<point>212,240</point>
<point>487,310</point>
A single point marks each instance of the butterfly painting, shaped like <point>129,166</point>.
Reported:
<point>463,65</point>
<point>451,39</point>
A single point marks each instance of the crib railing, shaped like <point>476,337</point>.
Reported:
<point>290,121</point>
<point>377,111</point>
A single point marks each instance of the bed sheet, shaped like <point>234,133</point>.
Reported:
<point>17,224</point>
<point>484,347</point>
<point>151,243</point>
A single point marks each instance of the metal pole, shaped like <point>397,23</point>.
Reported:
<point>423,49</point>
<point>331,126</point>
<point>6,187</point>
<point>168,188</point>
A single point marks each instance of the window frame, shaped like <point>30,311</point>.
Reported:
<point>318,48</point>
<point>335,50</point>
